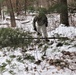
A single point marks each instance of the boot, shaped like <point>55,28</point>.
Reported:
<point>47,40</point>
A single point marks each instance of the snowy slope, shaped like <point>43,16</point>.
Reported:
<point>14,62</point>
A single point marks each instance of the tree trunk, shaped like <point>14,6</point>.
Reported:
<point>37,5</point>
<point>0,8</point>
<point>48,3</point>
<point>10,9</point>
<point>64,13</point>
<point>17,7</point>
<point>25,6</point>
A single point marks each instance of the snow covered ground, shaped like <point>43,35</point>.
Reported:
<point>55,58</point>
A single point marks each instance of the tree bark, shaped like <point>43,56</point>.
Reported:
<point>10,9</point>
<point>64,13</point>
<point>17,7</point>
<point>48,3</point>
<point>25,6</point>
<point>0,8</point>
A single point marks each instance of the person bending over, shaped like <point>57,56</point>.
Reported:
<point>41,26</point>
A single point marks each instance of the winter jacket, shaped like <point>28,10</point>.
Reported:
<point>41,19</point>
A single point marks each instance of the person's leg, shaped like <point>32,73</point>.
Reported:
<point>44,31</point>
<point>39,31</point>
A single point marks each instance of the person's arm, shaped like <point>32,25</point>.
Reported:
<point>34,23</point>
<point>46,22</point>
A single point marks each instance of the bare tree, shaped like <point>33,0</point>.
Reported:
<point>48,3</point>
<point>17,7</point>
<point>25,5</point>
<point>0,8</point>
<point>10,9</point>
<point>64,13</point>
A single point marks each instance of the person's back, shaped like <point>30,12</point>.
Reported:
<point>41,19</point>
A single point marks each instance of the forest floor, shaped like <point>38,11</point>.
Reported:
<point>57,57</point>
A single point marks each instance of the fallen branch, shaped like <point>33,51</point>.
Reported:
<point>26,22</point>
<point>65,38</point>
<point>4,23</point>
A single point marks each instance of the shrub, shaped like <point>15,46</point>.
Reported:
<point>14,37</point>
<point>31,9</point>
<point>42,10</point>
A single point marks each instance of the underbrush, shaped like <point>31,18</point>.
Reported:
<point>14,37</point>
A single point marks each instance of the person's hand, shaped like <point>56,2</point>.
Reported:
<point>38,34</point>
<point>46,25</point>
<point>35,29</point>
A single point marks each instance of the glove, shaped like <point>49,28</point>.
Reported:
<point>35,29</point>
<point>46,25</point>
<point>38,34</point>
